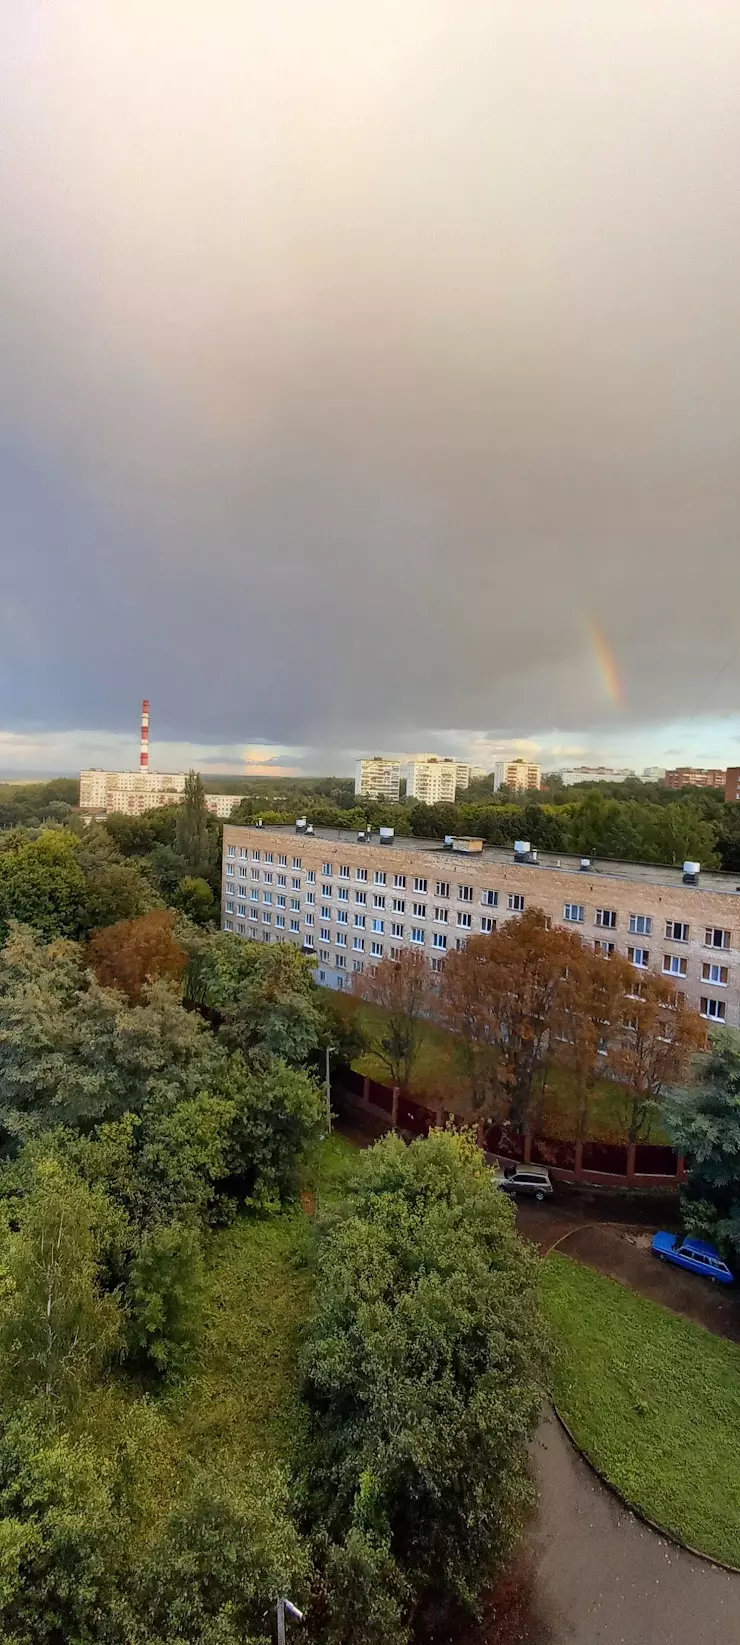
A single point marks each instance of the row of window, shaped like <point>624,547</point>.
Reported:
<point>259,856</point>
<point>641,925</point>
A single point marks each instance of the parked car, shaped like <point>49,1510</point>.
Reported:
<point>526,1179</point>
<point>695,1254</point>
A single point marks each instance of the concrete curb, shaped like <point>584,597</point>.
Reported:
<point>652,1524</point>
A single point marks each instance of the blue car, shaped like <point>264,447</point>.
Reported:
<point>695,1254</point>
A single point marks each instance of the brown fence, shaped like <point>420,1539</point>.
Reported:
<point>602,1164</point>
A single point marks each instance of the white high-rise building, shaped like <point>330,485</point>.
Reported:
<point>595,774</point>
<point>463,776</point>
<point>431,780</point>
<point>378,778</point>
<point>517,774</point>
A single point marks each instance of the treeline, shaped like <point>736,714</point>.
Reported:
<point>31,804</point>
<point>529,999</point>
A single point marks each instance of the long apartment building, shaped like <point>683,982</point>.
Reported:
<point>517,774</point>
<point>133,792</point>
<point>352,902</point>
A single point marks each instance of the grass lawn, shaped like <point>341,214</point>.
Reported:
<point>438,1077</point>
<point>242,1391</point>
<point>654,1401</point>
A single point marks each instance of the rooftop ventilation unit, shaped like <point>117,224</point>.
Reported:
<point>300,825</point>
<point>449,842</point>
<point>523,852</point>
<point>691,872</point>
<point>362,837</point>
<point>387,836</point>
<point>586,865</point>
<point>309,828</point>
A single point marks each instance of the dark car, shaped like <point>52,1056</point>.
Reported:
<point>533,1180</point>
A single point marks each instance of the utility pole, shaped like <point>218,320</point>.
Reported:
<point>328,1089</point>
<point>284,1605</point>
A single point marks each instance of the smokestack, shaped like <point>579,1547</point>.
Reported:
<point>144,755</point>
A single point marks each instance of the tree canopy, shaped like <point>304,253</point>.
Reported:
<point>703,1121</point>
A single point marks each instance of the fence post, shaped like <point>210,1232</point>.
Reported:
<point>631,1151</point>
<point>681,1172</point>
<point>394,1109</point>
<point>578,1162</point>
<point>440,1116</point>
<point>527,1147</point>
<point>481,1134</point>
<point>366,1091</point>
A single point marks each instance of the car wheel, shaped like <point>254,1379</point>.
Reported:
<point>539,1196</point>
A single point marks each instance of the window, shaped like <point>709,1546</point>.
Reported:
<point>325,912</point>
<point>341,939</point>
<point>376,949</point>
<point>441,915</point>
<point>280,920</point>
<point>641,925</point>
<point>267,919</point>
<point>396,929</point>
<point>255,873</point>
<point>639,957</point>
<point>378,925</point>
<point>361,897</point>
<point>439,940</point>
<point>254,895</point>
<point>438,964</point>
<point>296,882</point>
<point>268,856</point>
<point>420,884</point>
<point>399,906</point>
<point>516,902</point>
<point>295,925</point>
<point>295,903</point>
<point>675,965</point>
<point>359,944</point>
<point>281,899</point>
<point>465,920</point>
<point>228,925</point>
<point>378,901</point>
<point>487,924</point>
<point>310,898</point>
<point>326,869</point>
<point>420,910</point>
<point>417,934</point>
<point>242,910</point>
<point>344,871</point>
<point>322,974</point>
<point>604,947</point>
<point>399,880</point>
<point>243,873</point>
<point>490,899</point>
<point>443,888</point>
<point>311,876</point>
<point>230,868</point>
<point>715,937</point>
<point>461,942</point>
<point>714,1009</point>
<point>343,894</point>
<point>607,917</point>
<point>359,921</point>
<point>324,955</point>
<point>326,891</point>
<point>268,879</point>
<point>465,893</point>
<point>283,861</point>
<point>229,907</point>
<point>240,928</point>
<point>325,933</point>
<point>255,856</point>
<point>574,912</point>
<point>341,965</point>
<point>243,852</point>
<point>282,879</point>
<point>342,916</point>
<point>360,873</point>
<point>357,965</point>
<point>231,851</point>
<point>253,915</point>
<point>296,862</point>
<point>676,931</point>
<point>267,896</point>
<point>715,973</point>
<point>380,878</point>
<point>396,953</point>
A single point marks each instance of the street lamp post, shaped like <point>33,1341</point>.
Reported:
<point>329,1049</point>
<point>284,1605</point>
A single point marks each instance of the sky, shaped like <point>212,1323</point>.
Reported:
<point>369,381</point>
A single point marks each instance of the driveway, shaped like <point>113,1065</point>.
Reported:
<point>593,1574</point>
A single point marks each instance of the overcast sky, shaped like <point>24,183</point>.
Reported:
<point>369,380</point>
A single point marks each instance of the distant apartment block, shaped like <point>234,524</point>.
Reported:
<point>517,774</point>
<point>688,776</point>
<point>732,785</point>
<point>350,903</point>
<point>595,774</point>
<point>464,775</point>
<point>653,774</point>
<point>477,773</point>
<point>431,780</point>
<point>133,792</point>
<point>378,779</point>
<point>222,805</point>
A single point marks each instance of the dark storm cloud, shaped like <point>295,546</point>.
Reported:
<point>357,361</point>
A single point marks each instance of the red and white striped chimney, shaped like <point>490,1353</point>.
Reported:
<point>144,755</point>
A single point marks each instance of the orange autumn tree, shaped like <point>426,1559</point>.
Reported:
<point>658,1036</point>
<point>590,1041</point>
<point>402,989</point>
<point>507,997</point>
<point>134,952</point>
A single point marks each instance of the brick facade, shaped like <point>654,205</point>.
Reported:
<point>633,894</point>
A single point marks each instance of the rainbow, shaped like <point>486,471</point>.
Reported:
<point>606,663</point>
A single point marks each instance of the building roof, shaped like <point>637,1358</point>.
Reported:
<point>644,873</point>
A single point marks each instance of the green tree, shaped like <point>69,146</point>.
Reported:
<point>42,885</point>
<point>703,1122</point>
<point>57,1327</point>
<point>279,1113</point>
<point>196,900</point>
<point>423,1368</point>
<point>402,990</point>
<point>191,829</point>
<point>163,1296</point>
<point>264,993</point>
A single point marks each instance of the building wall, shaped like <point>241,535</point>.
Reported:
<point>468,881</point>
<point>431,782</point>
<point>732,785</point>
<point>136,791</point>
<point>517,774</point>
<point>378,779</point>
<point>222,805</point>
<point>594,774</point>
<point>462,776</point>
<point>686,776</point>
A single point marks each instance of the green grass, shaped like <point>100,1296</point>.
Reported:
<point>654,1401</point>
<point>438,1077</point>
<point>241,1392</point>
